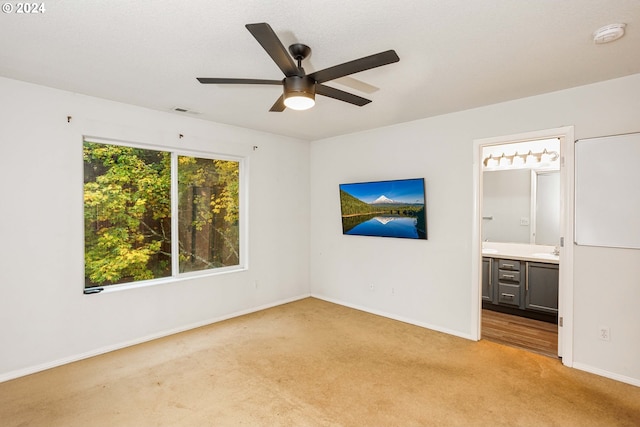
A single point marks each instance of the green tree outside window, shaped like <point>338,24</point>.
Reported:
<point>127,214</point>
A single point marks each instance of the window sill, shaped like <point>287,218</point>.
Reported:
<point>163,281</point>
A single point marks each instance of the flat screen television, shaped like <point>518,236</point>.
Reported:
<point>384,208</point>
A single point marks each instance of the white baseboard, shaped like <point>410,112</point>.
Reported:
<point>395,317</point>
<point>607,374</point>
<point>76,357</point>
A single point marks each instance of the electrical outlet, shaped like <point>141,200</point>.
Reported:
<point>604,333</point>
<point>524,220</point>
<point>372,287</point>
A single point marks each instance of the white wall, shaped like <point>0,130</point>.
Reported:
<point>429,282</point>
<point>44,317</point>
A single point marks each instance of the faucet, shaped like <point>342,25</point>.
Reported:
<point>556,251</point>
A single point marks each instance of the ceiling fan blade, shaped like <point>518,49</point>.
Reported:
<point>278,106</point>
<point>355,66</point>
<point>353,83</point>
<point>341,95</point>
<point>272,44</point>
<point>213,80</point>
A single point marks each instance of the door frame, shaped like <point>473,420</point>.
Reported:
<point>567,189</point>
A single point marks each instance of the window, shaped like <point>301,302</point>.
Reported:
<point>137,199</point>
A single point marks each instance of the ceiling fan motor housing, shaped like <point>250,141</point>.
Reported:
<point>299,86</point>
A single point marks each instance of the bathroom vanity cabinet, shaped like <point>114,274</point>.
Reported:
<point>509,287</point>
<point>541,287</point>
<point>519,286</point>
<point>487,282</point>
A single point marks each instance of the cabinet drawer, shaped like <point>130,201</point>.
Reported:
<point>509,294</point>
<point>508,264</point>
<point>513,276</point>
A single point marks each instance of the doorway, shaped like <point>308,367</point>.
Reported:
<point>565,227</point>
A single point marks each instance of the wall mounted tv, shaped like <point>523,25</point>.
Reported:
<point>384,208</point>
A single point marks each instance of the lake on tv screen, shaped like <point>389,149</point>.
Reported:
<point>387,226</point>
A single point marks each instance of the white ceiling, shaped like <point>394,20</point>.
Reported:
<point>454,54</point>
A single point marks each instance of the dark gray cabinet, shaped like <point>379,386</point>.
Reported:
<point>487,279</point>
<point>520,287</point>
<point>508,281</point>
<point>541,287</point>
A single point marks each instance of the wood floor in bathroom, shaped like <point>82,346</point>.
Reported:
<point>521,332</point>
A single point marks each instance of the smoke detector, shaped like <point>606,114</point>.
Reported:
<point>608,33</point>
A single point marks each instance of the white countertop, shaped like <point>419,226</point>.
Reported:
<point>520,251</point>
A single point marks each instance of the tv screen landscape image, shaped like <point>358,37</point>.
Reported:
<point>384,208</point>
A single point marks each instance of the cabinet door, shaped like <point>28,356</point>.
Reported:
<point>487,294</point>
<point>541,287</point>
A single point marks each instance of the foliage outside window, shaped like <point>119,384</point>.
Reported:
<point>128,206</point>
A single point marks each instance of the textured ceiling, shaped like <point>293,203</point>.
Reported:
<point>454,54</point>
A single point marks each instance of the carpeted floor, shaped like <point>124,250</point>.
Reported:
<point>313,363</point>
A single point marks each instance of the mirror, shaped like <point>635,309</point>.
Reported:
<point>521,201</point>
<point>521,206</point>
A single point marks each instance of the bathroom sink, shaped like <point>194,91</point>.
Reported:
<point>489,251</point>
<point>545,256</point>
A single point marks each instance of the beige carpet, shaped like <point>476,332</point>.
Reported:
<point>312,363</point>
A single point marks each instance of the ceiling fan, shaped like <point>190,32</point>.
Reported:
<point>300,88</point>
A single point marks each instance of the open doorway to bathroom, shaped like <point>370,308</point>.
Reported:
<point>521,262</point>
<point>520,239</point>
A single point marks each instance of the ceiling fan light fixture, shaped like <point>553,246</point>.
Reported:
<point>299,92</point>
<point>299,101</point>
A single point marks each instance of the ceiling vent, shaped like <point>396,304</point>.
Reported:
<point>608,33</point>
<point>184,110</point>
